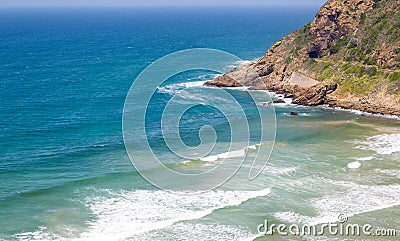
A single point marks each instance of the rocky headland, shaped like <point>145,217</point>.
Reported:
<point>348,56</point>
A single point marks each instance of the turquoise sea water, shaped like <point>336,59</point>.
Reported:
<point>64,171</point>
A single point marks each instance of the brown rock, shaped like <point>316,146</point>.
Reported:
<point>223,81</point>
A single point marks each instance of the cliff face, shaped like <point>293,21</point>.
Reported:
<point>352,51</point>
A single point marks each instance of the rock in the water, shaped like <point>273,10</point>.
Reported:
<point>294,113</point>
<point>223,81</point>
<point>279,101</point>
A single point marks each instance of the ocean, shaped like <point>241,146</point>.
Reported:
<point>65,173</point>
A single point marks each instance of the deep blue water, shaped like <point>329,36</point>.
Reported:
<point>65,74</point>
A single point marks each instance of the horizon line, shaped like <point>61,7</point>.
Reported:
<point>153,6</point>
<point>166,4</point>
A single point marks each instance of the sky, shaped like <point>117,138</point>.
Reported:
<point>118,3</point>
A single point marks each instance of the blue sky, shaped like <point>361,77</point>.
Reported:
<point>37,3</point>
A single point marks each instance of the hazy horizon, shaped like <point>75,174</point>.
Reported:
<point>157,3</point>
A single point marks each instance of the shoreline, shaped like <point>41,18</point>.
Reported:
<point>362,113</point>
<point>325,106</point>
<point>316,95</point>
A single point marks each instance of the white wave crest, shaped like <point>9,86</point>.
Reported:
<point>42,234</point>
<point>174,88</point>
<point>356,199</point>
<point>382,144</point>
<point>230,154</point>
<point>131,213</point>
<point>358,112</point>
<point>354,165</point>
<point>126,214</point>
<point>367,158</point>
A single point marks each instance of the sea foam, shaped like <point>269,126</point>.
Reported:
<point>355,199</point>
<point>137,214</point>
<point>358,112</point>
<point>382,144</point>
<point>354,165</point>
<point>174,88</point>
<point>132,213</point>
<point>230,154</point>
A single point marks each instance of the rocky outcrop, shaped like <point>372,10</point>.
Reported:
<point>336,59</point>
<point>314,96</point>
<point>335,20</point>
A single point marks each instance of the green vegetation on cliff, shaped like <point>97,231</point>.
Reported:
<point>362,60</point>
